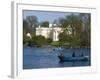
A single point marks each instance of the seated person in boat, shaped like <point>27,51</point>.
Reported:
<point>61,55</point>
<point>73,55</point>
<point>81,54</point>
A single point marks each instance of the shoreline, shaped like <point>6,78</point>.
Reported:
<point>58,47</point>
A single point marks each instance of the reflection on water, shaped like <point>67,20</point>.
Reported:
<point>34,58</point>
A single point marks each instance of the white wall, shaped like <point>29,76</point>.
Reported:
<point>5,39</point>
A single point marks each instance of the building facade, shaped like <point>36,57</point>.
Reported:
<point>50,32</point>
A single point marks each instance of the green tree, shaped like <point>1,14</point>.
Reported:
<point>25,31</point>
<point>25,26</point>
<point>26,41</point>
<point>48,40</point>
<point>38,40</point>
<point>56,23</point>
<point>65,39</point>
<point>86,33</point>
<point>32,23</point>
<point>75,23</point>
<point>45,24</point>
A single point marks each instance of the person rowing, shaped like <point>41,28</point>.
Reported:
<point>82,54</point>
<point>73,55</point>
<point>61,55</point>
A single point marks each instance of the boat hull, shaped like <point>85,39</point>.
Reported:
<point>65,59</point>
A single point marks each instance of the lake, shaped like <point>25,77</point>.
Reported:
<point>37,58</point>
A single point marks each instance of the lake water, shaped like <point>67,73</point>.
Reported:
<point>34,58</point>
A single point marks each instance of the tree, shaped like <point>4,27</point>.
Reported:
<point>38,40</point>
<point>48,40</point>
<point>65,39</point>
<point>56,23</point>
<point>25,27</point>
<point>86,33</point>
<point>86,19</point>
<point>25,31</point>
<point>32,23</point>
<point>29,24</point>
<point>26,40</point>
<point>63,22</point>
<point>75,23</point>
<point>45,24</point>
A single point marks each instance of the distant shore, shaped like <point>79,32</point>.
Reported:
<point>49,46</point>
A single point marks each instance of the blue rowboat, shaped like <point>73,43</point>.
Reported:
<point>78,58</point>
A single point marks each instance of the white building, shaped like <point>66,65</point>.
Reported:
<point>49,32</point>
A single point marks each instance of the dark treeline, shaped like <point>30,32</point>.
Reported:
<point>79,25</point>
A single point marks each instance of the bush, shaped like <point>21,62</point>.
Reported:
<point>56,44</point>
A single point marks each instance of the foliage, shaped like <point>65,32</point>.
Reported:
<point>39,41</point>
<point>32,23</point>
<point>29,24</point>
<point>85,40</point>
<point>56,44</point>
<point>26,40</point>
<point>25,26</point>
<point>79,26</point>
<point>45,24</point>
<point>48,40</point>
<point>75,23</point>
<point>86,34</point>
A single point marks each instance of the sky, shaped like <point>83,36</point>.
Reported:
<point>45,15</point>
